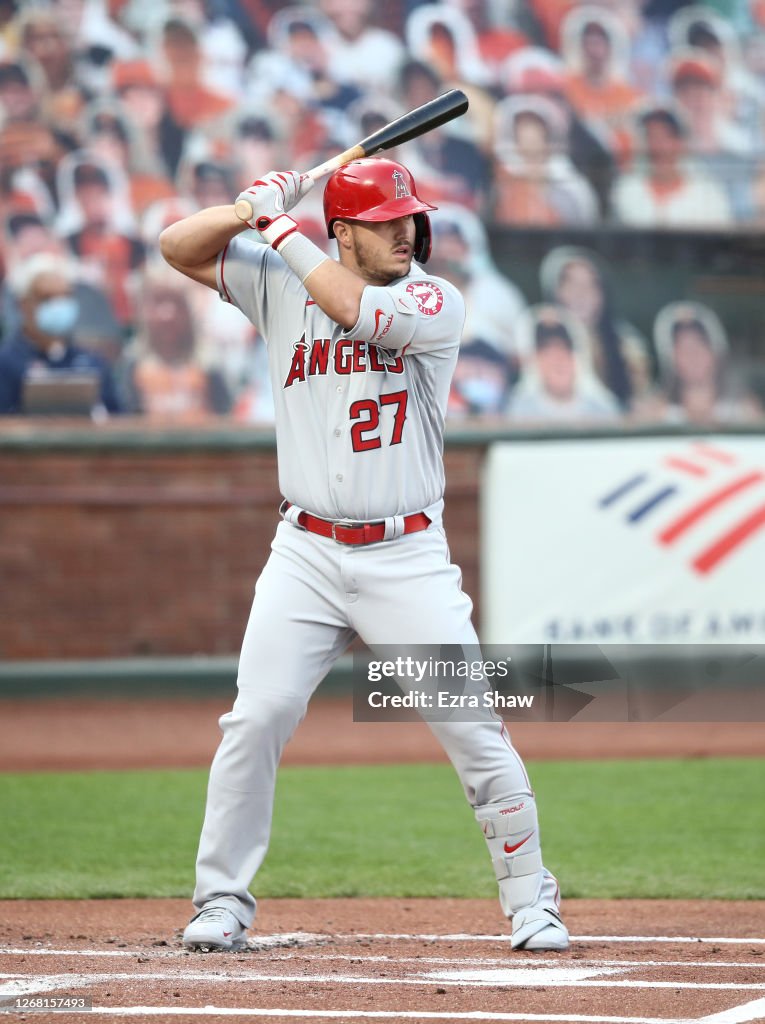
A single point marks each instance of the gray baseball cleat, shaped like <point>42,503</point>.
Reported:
<point>214,929</point>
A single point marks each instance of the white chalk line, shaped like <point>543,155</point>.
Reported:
<point>737,1014</point>
<point>503,961</point>
<point>309,938</point>
<point>21,951</point>
<point>17,984</point>
<point>281,939</point>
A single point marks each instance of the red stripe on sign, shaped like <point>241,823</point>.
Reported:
<point>708,559</point>
<point>697,512</point>
<point>716,454</point>
<point>686,467</point>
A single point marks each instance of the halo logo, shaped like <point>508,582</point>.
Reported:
<point>427,295</point>
<point>402,189</point>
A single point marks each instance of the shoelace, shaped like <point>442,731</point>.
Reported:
<point>213,914</point>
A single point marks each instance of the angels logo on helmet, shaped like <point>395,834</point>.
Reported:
<point>402,189</point>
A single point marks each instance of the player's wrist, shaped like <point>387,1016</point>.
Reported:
<point>275,230</point>
<point>300,254</point>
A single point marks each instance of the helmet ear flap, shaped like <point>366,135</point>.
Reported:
<point>422,237</point>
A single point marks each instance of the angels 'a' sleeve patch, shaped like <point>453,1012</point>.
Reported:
<point>428,297</point>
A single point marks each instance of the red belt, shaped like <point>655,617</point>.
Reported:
<point>360,533</point>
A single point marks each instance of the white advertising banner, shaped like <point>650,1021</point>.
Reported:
<point>624,541</point>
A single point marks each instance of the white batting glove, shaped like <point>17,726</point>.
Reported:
<point>270,197</point>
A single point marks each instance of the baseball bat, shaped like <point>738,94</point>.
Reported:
<point>409,126</point>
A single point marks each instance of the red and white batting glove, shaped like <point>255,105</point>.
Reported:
<point>270,197</point>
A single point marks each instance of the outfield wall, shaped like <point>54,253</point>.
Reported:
<point>122,542</point>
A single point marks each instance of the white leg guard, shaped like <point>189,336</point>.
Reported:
<point>528,892</point>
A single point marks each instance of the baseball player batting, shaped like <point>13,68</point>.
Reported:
<point>361,353</point>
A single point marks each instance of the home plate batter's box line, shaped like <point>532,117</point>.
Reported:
<point>538,961</point>
<point>385,958</point>
<point>311,938</point>
<point>16,984</point>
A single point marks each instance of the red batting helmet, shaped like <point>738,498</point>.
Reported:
<point>376,190</point>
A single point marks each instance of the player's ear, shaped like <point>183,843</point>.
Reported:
<point>342,233</point>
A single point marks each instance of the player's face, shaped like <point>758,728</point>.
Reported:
<point>381,252</point>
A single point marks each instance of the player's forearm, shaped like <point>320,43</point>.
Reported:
<point>197,239</point>
<point>337,291</point>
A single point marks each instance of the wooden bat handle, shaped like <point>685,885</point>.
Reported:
<point>243,209</point>
<point>354,153</point>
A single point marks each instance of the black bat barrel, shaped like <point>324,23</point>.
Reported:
<point>418,121</point>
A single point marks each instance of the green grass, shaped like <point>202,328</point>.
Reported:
<point>661,828</point>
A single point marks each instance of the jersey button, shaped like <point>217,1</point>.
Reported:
<point>339,389</point>
<point>338,432</point>
<point>339,477</point>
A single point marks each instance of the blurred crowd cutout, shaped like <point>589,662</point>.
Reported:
<point>118,117</point>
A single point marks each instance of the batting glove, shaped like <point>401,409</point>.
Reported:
<point>270,197</point>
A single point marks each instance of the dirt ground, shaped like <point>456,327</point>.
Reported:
<point>402,960</point>
<point>82,733</point>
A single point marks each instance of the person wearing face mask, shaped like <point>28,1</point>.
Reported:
<point>43,343</point>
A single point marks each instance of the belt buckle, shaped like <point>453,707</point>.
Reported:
<point>345,525</point>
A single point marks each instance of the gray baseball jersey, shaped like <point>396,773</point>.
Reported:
<point>360,412</point>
